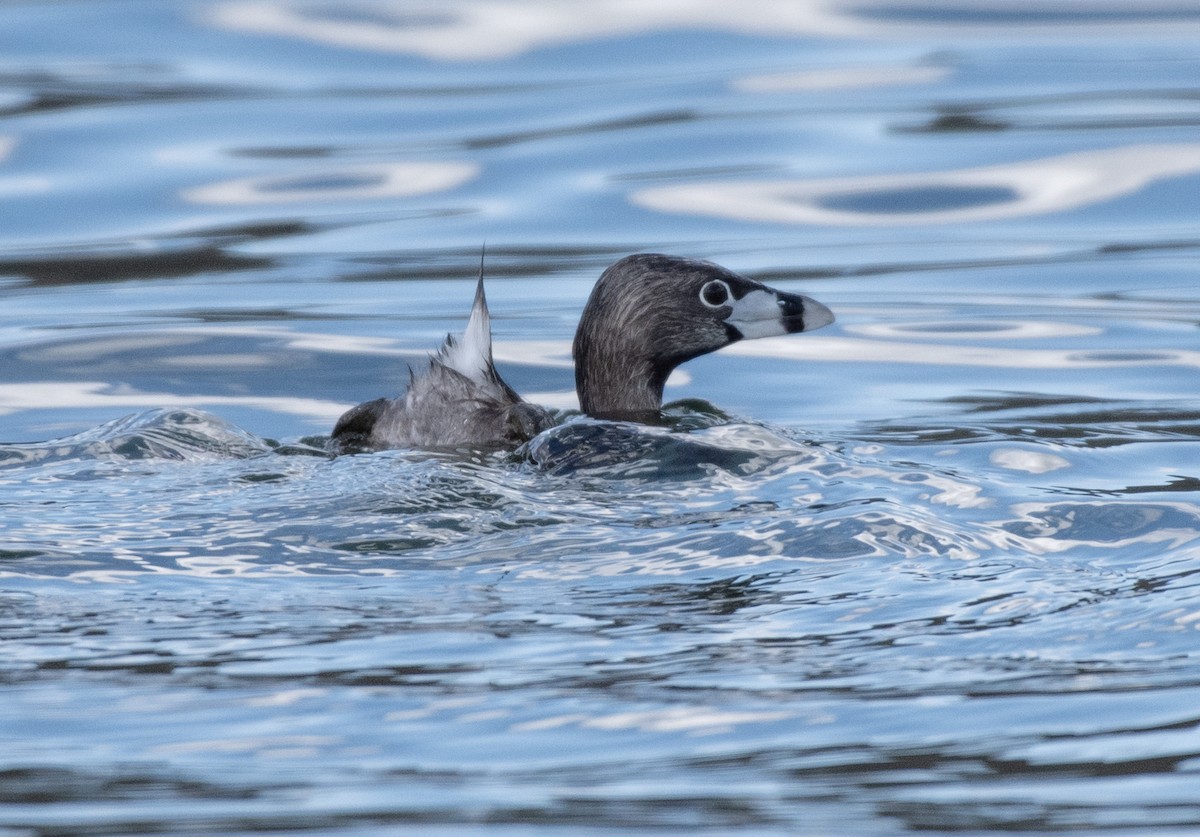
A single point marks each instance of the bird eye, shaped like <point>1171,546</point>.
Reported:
<point>714,294</point>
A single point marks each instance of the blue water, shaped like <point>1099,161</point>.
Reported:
<point>931,569</point>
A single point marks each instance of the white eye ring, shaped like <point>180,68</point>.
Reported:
<point>715,294</point>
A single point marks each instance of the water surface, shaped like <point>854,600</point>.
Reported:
<point>931,569</point>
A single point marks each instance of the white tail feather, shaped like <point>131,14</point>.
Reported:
<point>471,354</point>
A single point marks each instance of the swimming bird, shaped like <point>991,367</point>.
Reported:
<point>647,314</point>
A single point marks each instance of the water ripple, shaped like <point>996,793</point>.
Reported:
<point>935,570</point>
<point>1035,187</point>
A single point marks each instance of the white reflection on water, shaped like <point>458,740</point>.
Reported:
<point>985,193</point>
<point>1029,461</point>
<point>816,347</point>
<point>57,395</point>
<point>500,28</point>
<point>266,745</point>
<point>692,720</point>
<point>19,185</point>
<point>842,78</point>
<point>489,29</point>
<point>341,183</point>
<point>969,329</point>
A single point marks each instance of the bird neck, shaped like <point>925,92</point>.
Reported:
<point>616,378</point>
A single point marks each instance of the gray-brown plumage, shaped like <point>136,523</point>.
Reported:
<point>460,401</point>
